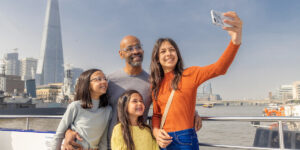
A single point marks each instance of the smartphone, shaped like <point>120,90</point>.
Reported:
<point>218,18</point>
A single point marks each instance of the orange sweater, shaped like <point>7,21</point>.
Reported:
<point>182,109</point>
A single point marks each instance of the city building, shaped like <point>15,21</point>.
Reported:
<point>67,91</point>
<point>49,92</point>
<point>11,84</point>
<point>75,74</point>
<point>285,92</point>
<point>270,96</point>
<point>30,87</point>
<point>50,65</point>
<point>1,96</point>
<point>296,90</point>
<point>204,93</point>
<point>12,63</point>
<point>28,68</point>
<point>2,83</point>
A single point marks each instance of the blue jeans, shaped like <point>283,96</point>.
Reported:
<point>183,140</point>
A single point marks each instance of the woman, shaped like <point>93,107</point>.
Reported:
<point>167,74</point>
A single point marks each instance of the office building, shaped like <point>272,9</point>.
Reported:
<point>50,66</point>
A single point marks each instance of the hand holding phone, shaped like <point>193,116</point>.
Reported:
<point>218,19</point>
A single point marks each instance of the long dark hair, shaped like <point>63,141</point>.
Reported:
<point>156,70</point>
<point>123,118</point>
<point>82,91</point>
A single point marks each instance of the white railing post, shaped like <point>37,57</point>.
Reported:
<point>27,123</point>
<point>280,131</point>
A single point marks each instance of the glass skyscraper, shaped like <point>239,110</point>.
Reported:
<point>50,66</point>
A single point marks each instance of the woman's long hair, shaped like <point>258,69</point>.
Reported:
<point>82,90</point>
<point>124,120</point>
<point>156,70</point>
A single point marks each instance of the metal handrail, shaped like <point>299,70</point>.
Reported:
<point>252,119</point>
<point>249,119</point>
<point>30,116</point>
<point>236,147</point>
<point>207,118</point>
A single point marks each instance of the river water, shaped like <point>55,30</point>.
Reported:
<point>214,132</point>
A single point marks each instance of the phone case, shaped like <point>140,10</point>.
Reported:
<point>217,19</point>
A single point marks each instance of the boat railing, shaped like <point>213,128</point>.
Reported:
<point>27,117</point>
<point>279,120</point>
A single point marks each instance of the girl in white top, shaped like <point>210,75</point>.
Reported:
<point>89,114</point>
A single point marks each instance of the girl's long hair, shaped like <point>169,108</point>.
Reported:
<point>156,70</point>
<point>124,120</point>
<point>82,90</point>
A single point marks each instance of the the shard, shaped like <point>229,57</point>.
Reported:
<point>50,66</point>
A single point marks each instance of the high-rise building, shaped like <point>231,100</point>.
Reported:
<point>285,92</point>
<point>2,83</point>
<point>204,92</point>
<point>12,63</point>
<point>270,96</point>
<point>50,66</point>
<point>76,73</point>
<point>28,68</point>
<point>30,87</point>
<point>296,90</point>
<point>205,89</point>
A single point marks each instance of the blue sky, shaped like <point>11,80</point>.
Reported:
<point>92,29</point>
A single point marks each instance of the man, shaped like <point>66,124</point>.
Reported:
<point>132,76</point>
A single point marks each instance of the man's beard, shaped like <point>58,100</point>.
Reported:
<point>132,63</point>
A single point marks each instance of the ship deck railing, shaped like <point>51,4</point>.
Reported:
<point>279,120</point>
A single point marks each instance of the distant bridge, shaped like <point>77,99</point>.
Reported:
<point>235,102</point>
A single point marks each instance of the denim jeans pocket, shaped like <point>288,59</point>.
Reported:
<point>185,138</point>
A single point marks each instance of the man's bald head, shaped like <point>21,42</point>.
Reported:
<point>131,50</point>
<point>129,40</point>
